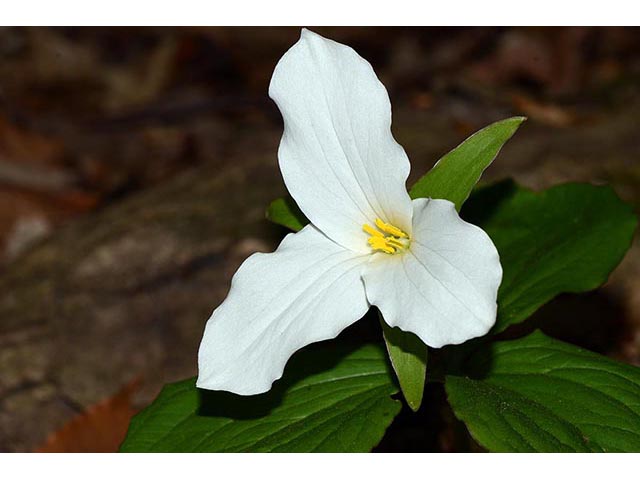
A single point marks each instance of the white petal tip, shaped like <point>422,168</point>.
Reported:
<point>457,340</point>
<point>236,390</point>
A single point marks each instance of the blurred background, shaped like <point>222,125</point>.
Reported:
<point>136,164</point>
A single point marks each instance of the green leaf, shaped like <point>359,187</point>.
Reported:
<point>537,394</point>
<point>284,211</point>
<point>454,175</point>
<point>329,401</point>
<point>564,239</point>
<point>409,359</point>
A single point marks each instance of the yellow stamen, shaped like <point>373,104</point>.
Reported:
<point>394,241</point>
<point>372,231</point>
<point>390,229</point>
<point>378,243</point>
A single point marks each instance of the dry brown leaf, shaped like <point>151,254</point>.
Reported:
<point>422,101</point>
<point>101,429</point>
<point>546,113</point>
<point>20,206</point>
<point>25,146</point>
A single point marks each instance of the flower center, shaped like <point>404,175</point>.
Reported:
<point>386,238</point>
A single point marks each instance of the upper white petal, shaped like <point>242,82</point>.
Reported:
<point>444,289</point>
<point>308,290</point>
<point>338,157</point>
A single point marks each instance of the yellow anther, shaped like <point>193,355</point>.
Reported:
<point>380,243</point>
<point>390,229</point>
<point>372,231</point>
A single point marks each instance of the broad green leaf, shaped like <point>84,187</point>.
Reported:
<point>285,212</point>
<point>537,394</point>
<point>409,359</point>
<point>454,175</point>
<point>564,239</point>
<point>329,401</point>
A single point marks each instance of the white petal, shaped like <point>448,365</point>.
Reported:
<point>308,290</point>
<point>337,155</point>
<point>444,288</point>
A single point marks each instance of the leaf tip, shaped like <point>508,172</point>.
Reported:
<point>414,405</point>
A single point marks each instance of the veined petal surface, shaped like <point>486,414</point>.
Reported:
<point>444,288</point>
<point>308,290</point>
<point>338,157</point>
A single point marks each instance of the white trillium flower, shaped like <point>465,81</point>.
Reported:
<point>428,271</point>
